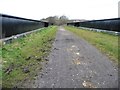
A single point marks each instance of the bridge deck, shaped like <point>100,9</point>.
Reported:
<point>74,63</point>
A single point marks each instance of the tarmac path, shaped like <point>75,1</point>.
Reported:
<point>74,63</point>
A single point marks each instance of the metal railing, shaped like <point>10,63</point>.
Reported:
<point>12,25</point>
<point>105,24</point>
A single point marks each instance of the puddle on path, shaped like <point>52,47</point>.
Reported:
<point>77,62</point>
<point>88,84</point>
<point>62,29</point>
<point>77,53</point>
<point>73,46</point>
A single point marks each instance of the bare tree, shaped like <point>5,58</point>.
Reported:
<point>63,20</point>
<point>57,20</point>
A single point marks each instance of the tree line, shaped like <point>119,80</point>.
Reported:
<point>55,20</point>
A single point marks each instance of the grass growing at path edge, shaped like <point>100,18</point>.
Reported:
<point>22,58</point>
<point>106,43</point>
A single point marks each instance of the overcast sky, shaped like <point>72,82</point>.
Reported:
<point>73,9</point>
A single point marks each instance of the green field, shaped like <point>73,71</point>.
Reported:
<point>107,44</point>
<point>22,59</point>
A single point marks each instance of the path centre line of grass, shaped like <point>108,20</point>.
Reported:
<point>107,44</point>
<point>22,59</point>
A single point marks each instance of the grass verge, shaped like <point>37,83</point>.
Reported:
<point>22,59</point>
<point>106,43</point>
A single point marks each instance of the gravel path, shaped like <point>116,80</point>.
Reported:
<point>74,63</point>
